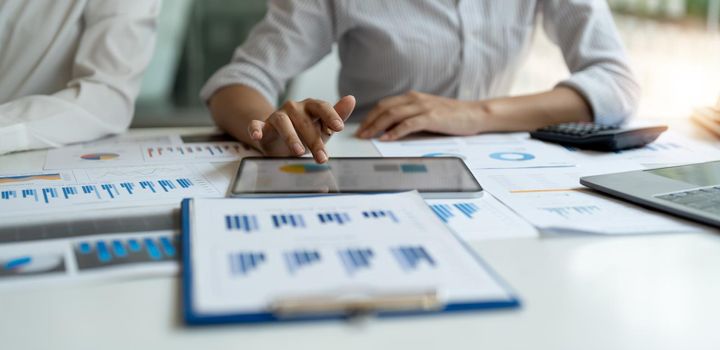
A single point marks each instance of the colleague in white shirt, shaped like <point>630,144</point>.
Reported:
<point>70,70</point>
<point>419,65</point>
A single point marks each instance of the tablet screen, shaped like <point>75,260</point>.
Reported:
<point>352,175</point>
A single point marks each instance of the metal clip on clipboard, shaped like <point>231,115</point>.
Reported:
<point>355,306</point>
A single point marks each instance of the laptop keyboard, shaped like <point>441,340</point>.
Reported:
<point>704,199</point>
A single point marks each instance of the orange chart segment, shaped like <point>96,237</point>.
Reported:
<point>304,168</point>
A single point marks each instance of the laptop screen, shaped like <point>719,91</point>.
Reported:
<point>702,174</point>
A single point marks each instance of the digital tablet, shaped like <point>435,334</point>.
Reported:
<point>442,177</point>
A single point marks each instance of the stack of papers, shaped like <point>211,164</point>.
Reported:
<point>540,181</point>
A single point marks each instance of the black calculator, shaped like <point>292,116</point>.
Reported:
<point>598,137</point>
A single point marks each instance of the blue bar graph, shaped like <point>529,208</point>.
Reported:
<point>356,259</point>
<point>337,218</point>
<point>570,211</point>
<point>292,220</point>
<point>298,259</point>
<point>469,209</point>
<point>443,211</point>
<point>410,258</point>
<point>123,251</point>
<point>247,223</point>
<point>100,191</point>
<point>446,211</point>
<point>380,214</point>
<point>245,262</point>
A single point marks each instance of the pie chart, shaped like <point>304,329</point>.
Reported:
<point>100,156</point>
<point>304,168</point>
<point>512,156</point>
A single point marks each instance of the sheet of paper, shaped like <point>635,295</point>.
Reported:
<point>92,189</point>
<point>481,218</point>
<point>92,258</point>
<point>249,253</point>
<point>144,154</point>
<point>554,201</point>
<point>498,151</point>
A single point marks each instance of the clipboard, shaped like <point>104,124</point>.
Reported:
<point>331,304</point>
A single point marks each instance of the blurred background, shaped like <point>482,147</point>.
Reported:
<point>674,48</point>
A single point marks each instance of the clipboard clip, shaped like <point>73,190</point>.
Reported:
<point>354,306</point>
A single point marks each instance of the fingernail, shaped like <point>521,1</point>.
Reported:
<point>337,124</point>
<point>256,134</point>
<point>297,148</point>
<point>322,156</point>
<point>384,137</point>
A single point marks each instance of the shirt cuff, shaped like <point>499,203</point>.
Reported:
<point>611,103</point>
<point>13,138</point>
<point>241,74</point>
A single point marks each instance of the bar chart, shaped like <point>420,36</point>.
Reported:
<point>191,151</point>
<point>246,223</point>
<point>291,220</point>
<point>570,212</point>
<point>410,257</point>
<point>447,211</point>
<point>333,218</point>
<point>241,264</point>
<point>42,197</point>
<point>124,251</point>
<point>380,214</point>
<point>356,259</point>
<point>296,260</point>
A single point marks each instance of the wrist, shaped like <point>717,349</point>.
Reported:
<point>482,112</point>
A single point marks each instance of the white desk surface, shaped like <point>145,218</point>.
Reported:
<point>632,292</point>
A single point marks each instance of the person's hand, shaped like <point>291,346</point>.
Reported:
<point>298,126</point>
<point>398,116</point>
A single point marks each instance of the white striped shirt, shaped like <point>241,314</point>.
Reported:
<point>465,49</point>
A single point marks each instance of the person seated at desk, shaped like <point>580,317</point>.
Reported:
<point>70,70</point>
<point>440,66</point>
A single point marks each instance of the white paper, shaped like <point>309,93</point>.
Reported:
<point>144,154</point>
<point>554,201</point>
<point>91,189</point>
<point>669,149</point>
<point>481,218</point>
<point>250,253</point>
<point>499,151</point>
<point>93,258</point>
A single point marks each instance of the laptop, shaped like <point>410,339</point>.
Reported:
<point>691,191</point>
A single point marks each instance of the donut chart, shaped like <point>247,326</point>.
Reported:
<point>512,156</point>
<point>100,156</point>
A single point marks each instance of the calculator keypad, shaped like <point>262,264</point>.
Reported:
<point>577,129</point>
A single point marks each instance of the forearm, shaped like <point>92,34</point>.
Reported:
<point>529,112</point>
<point>235,106</point>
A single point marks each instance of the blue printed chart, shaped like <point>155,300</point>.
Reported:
<point>270,249</point>
<point>17,199</point>
<point>272,221</point>
<point>481,218</point>
<point>121,256</point>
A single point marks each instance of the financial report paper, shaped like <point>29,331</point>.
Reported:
<point>246,254</point>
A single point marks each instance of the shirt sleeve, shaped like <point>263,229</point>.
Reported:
<point>594,54</point>
<point>115,47</point>
<point>293,36</point>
